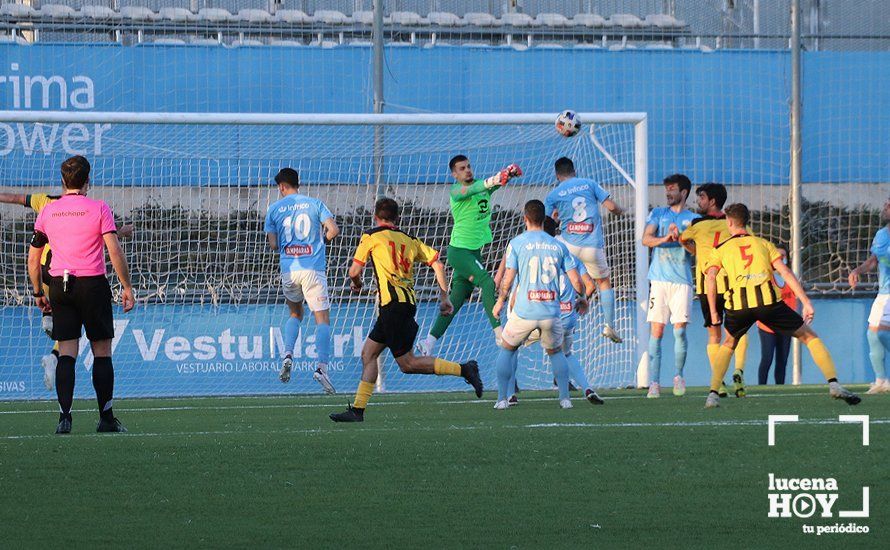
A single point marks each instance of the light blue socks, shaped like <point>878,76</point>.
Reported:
<point>291,333</point>
<point>504,365</point>
<point>654,359</point>
<point>607,301</point>
<point>679,350</point>
<point>561,372</point>
<point>323,342</point>
<point>877,351</point>
<point>576,372</point>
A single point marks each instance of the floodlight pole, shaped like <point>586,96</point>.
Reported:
<point>796,244</point>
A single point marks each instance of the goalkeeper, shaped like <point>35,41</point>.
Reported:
<point>471,210</point>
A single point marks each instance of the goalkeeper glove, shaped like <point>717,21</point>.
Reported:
<point>502,177</point>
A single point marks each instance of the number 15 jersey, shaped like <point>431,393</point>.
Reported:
<point>539,260</point>
<point>296,221</point>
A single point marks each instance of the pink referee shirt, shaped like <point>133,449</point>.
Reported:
<point>74,225</point>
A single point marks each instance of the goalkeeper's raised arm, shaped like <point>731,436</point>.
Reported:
<point>470,201</point>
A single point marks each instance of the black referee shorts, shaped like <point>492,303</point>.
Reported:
<point>706,307</point>
<point>778,317</point>
<point>87,304</point>
<point>396,328</point>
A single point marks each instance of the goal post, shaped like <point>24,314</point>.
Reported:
<point>196,187</point>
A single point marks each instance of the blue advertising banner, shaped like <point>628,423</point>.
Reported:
<point>707,109</point>
<point>193,351</point>
<point>168,350</point>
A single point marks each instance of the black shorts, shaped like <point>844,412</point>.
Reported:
<point>396,328</point>
<point>706,307</point>
<point>87,304</point>
<point>780,318</point>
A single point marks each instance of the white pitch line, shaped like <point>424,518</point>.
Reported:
<point>335,404</point>
<point>322,431</point>
<point>695,424</point>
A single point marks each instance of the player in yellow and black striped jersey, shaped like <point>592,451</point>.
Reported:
<point>393,254</point>
<point>750,263</point>
<point>747,263</point>
<point>700,239</point>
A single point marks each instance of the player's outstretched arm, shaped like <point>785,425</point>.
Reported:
<point>119,263</point>
<point>460,193</point>
<point>330,230</point>
<point>868,265</point>
<point>14,198</point>
<point>794,284</point>
<point>445,306</point>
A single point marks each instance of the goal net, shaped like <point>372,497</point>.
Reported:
<point>210,309</point>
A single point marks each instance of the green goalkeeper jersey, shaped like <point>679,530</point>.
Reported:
<point>471,210</point>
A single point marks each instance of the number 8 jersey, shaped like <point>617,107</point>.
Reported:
<point>297,219</point>
<point>578,202</point>
<point>539,260</point>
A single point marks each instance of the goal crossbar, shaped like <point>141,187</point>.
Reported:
<point>308,119</point>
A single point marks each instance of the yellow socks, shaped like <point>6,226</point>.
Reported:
<point>441,366</point>
<point>822,358</point>
<point>363,394</point>
<point>722,356</point>
<point>712,353</point>
<point>741,351</point>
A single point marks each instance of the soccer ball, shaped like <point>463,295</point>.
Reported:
<point>568,124</point>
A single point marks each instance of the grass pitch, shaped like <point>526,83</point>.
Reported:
<point>438,470</point>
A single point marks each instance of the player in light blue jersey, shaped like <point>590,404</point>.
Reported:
<point>879,317</point>
<point>568,315</point>
<point>298,228</point>
<point>575,205</point>
<point>670,280</point>
<point>535,260</point>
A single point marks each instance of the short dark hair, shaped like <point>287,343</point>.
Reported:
<point>534,211</point>
<point>288,176</point>
<point>550,226</point>
<point>682,182</point>
<point>386,209</point>
<point>454,160</point>
<point>564,166</point>
<point>714,191</point>
<point>76,172</point>
<point>739,213</point>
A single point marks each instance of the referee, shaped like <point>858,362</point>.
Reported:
<point>79,229</point>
